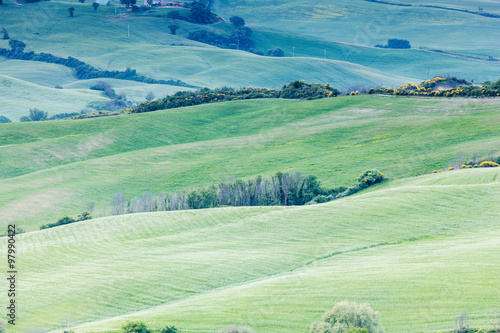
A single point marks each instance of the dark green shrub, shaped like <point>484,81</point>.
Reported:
<point>201,14</point>
<point>277,52</point>
<point>35,115</point>
<point>84,216</point>
<point>135,327</point>
<point>4,120</point>
<point>237,21</point>
<point>170,329</point>
<point>371,177</point>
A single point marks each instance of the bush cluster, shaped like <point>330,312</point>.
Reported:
<point>395,43</point>
<point>200,13</point>
<point>140,327</point>
<point>240,37</point>
<point>4,119</point>
<point>443,87</point>
<point>35,115</point>
<point>295,90</point>
<point>484,163</point>
<point>67,220</point>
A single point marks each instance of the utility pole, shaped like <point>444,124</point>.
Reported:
<point>293,52</point>
<point>325,53</point>
<point>128,30</point>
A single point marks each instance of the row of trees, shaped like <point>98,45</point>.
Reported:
<point>83,70</point>
<point>282,189</point>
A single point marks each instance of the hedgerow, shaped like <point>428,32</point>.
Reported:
<point>294,90</point>
<point>443,87</point>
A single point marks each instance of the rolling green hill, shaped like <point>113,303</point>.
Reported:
<point>155,53</point>
<point>420,250</point>
<point>73,163</point>
<point>19,96</point>
<point>366,23</point>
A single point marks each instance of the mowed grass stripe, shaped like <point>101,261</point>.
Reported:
<point>334,139</point>
<point>417,287</point>
<point>223,247</point>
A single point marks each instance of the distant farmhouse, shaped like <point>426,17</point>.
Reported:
<point>164,3</point>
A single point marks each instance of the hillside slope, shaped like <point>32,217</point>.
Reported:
<point>153,52</point>
<point>367,23</point>
<point>73,163</point>
<point>274,268</point>
<point>17,97</point>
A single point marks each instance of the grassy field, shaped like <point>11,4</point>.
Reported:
<point>419,250</point>
<point>18,97</point>
<point>153,51</point>
<point>365,23</point>
<point>73,163</point>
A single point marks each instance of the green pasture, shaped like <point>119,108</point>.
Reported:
<point>421,251</point>
<point>154,52</point>
<point>73,163</point>
<point>18,97</point>
<point>365,23</point>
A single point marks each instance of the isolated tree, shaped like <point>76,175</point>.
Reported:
<point>175,15</point>
<point>395,43</point>
<point>461,325</point>
<point>95,5</point>
<point>242,37</point>
<point>17,46</point>
<point>35,115</point>
<point>4,120</point>
<point>200,13</point>
<point>277,52</point>
<point>71,11</point>
<point>237,21</point>
<point>347,315</point>
<point>67,323</point>
<point>173,28</point>
<point>150,96</point>
<point>4,31</point>
<point>81,1</point>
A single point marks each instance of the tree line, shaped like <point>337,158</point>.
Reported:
<point>83,70</point>
<point>281,189</point>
